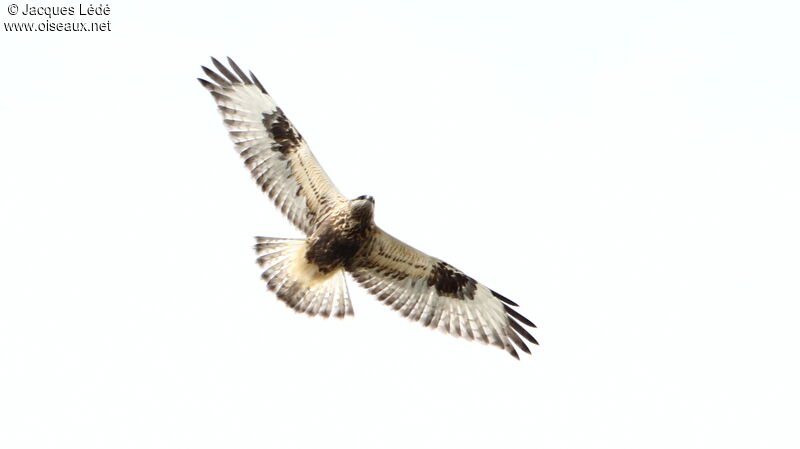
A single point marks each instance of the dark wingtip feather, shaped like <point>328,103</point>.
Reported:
<point>258,83</point>
<point>518,316</point>
<point>215,77</point>
<point>208,85</point>
<point>224,70</point>
<point>238,71</point>
<point>504,299</point>
<point>220,97</point>
<point>521,331</point>
<point>518,341</point>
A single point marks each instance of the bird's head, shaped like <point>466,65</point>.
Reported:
<point>363,207</point>
<point>365,198</point>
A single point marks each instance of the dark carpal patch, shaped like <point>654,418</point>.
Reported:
<point>284,134</point>
<point>448,281</point>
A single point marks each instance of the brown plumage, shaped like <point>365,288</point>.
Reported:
<point>341,235</point>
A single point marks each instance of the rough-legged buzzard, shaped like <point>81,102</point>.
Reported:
<point>341,236</point>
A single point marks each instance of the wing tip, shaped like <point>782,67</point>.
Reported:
<point>225,71</point>
<point>519,316</point>
<point>517,341</point>
<point>221,82</point>
<point>258,83</point>
<point>228,78</point>
<point>516,327</point>
<point>205,83</point>
<point>503,298</point>
<point>239,71</point>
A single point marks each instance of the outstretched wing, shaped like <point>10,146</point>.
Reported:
<point>429,290</point>
<point>276,154</point>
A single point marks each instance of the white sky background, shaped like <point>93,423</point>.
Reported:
<point>628,173</point>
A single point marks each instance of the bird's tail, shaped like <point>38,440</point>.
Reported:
<point>299,283</point>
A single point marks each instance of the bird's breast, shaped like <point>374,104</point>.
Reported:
<point>334,243</point>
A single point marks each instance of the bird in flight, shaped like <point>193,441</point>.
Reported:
<point>341,235</point>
